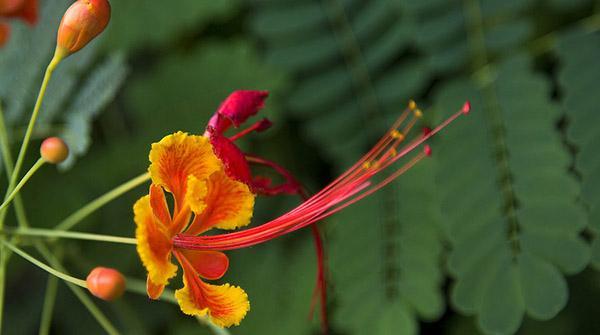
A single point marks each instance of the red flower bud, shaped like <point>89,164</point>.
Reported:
<point>106,283</point>
<point>83,21</point>
<point>25,9</point>
<point>54,150</point>
<point>4,34</point>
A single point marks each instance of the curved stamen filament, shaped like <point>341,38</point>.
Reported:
<point>352,186</point>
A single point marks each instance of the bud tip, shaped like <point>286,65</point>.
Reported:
<point>106,283</point>
<point>54,150</point>
<point>466,107</point>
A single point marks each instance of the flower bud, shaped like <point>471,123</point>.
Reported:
<point>106,283</point>
<point>83,21</point>
<point>27,10</point>
<point>54,150</point>
<point>4,33</point>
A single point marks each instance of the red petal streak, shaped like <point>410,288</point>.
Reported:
<point>154,291</point>
<point>210,265</point>
<point>350,187</point>
<point>159,205</point>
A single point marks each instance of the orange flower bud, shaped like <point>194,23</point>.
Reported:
<point>83,21</point>
<point>54,150</point>
<point>106,283</point>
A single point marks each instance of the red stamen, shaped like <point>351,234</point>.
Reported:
<point>352,186</point>
<point>257,126</point>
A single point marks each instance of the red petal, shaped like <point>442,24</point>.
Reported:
<point>210,265</point>
<point>232,158</point>
<point>237,108</point>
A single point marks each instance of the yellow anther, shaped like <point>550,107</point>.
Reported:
<point>393,152</point>
<point>412,105</point>
<point>366,165</point>
<point>418,113</point>
<point>397,135</point>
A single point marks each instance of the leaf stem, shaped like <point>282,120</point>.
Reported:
<point>47,268</point>
<point>94,205</point>
<point>40,162</point>
<point>68,234</point>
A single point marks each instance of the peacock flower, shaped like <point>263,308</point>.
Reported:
<point>210,185</point>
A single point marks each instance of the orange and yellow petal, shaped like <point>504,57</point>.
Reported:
<point>210,265</point>
<point>176,157</point>
<point>154,290</point>
<point>226,305</point>
<point>153,244</point>
<point>158,202</point>
<point>229,205</point>
<point>196,193</point>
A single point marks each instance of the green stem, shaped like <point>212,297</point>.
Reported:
<point>69,234</point>
<point>49,269</point>
<point>48,308</point>
<point>2,281</point>
<point>94,205</point>
<point>34,115</point>
<point>42,249</point>
<point>8,165</point>
<point>40,162</point>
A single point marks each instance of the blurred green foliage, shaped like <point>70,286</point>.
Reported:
<point>491,235</point>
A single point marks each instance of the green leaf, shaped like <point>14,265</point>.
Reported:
<point>129,27</point>
<point>385,258</point>
<point>500,258</point>
<point>580,50</point>
<point>544,289</point>
<point>348,56</point>
<point>98,90</point>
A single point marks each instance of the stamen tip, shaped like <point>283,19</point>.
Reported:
<point>412,105</point>
<point>466,108</point>
<point>427,150</point>
<point>418,113</point>
<point>397,135</point>
<point>263,125</point>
